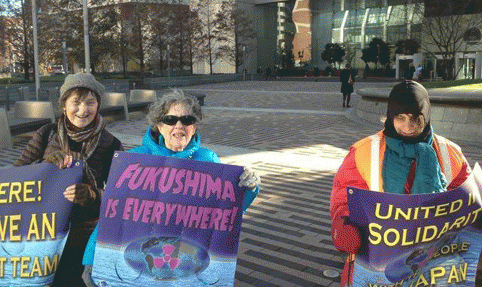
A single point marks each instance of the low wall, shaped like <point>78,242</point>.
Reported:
<point>160,83</point>
<point>456,113</point>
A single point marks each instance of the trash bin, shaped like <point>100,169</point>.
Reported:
<point>23,94</point>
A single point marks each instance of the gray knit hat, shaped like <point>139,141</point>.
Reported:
<point>81,80</point>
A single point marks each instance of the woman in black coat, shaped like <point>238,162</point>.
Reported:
<point>79,134</point>
<point>347,79</point>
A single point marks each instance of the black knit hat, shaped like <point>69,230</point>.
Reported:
<point>408,97</point>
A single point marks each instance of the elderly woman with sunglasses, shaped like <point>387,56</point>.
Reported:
<point>173,132</point>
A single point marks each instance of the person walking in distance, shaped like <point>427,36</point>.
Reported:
<point>347,79</point>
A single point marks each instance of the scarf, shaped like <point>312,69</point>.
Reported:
<point>88,136</point>
<point>398,159</point>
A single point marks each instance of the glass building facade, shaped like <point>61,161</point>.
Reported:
<point>391,23</point>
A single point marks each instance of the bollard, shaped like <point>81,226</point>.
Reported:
<point>7,99</point>
<point>22,92</point>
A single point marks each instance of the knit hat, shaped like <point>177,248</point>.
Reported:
<point>81,80</point>
<point>408,97</point>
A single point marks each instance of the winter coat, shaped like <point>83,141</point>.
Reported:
<point>357,170</point>
<point>44,142</point>
<point>346,87</point>
<point>153,143</point>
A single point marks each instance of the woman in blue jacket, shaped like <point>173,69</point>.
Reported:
<point>173,132</point>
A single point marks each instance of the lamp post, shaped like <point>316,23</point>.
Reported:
<point>86,37</point>
<point>35,48</point>
<point>64,57</point>
<point>168,65</point>
<point>244,64</point>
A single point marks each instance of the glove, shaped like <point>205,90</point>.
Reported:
<point>55,157</point>
<point>84,194</point>
<point>249,178</point>
<point>87,276</point>
<point>346,237</point>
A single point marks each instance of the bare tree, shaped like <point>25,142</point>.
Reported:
<point>205,11</point>
<point>235,33</point>
<point>18,32</point>
<point>160,20</point>
<point>444,26</point>
<point>350,52</point>
<point>194,35</point>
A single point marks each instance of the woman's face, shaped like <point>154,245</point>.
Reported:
<point>81,112</point>
<point>408,125</point>
<point>178,136</point>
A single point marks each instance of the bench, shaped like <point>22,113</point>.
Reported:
<point>141,99</point>
<point>112,103</point>
<point>5,136</point>
<point>27,116</point>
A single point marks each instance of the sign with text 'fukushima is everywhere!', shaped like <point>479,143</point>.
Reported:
<point>34,222</point>
<point>168,222</point>
<point>418,240</point>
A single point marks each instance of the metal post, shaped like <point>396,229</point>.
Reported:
<point>64,57</point>
<point>86,37</point>
<point>168,65</point>
<point>244,64</point>
<point>35,48</point>
<point>7,99</point>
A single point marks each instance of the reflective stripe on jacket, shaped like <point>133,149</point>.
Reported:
<point>370,151</point>
<point>362,168</point>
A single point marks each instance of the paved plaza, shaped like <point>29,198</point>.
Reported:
<point>295,134</point>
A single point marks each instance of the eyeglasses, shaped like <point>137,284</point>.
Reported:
<point>172,120</point>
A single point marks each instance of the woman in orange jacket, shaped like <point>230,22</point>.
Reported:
<point>406,157</point>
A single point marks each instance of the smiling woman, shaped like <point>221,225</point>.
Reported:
<point>172,131</point>
<point>81,107</point>
<point>79,134</point>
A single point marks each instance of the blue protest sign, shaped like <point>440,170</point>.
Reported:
<point>418,240</point>
<point>34,222</point>
<point>168,222</point>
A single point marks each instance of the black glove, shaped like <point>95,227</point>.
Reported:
<point>85,195</point>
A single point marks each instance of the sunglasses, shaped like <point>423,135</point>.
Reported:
<point>172,120</point>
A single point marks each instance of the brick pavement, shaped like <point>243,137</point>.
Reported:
<point>285,239</point>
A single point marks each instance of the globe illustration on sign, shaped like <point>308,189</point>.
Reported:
<point>166,258</point>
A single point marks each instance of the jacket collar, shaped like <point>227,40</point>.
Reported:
<point>155,142</point>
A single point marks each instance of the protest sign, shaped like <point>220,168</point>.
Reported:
<point>34,222</point>
<point>418,240</point>
<point>168,222</point>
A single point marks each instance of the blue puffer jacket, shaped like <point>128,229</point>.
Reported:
<point>150,145</point>
<point>156,147</point>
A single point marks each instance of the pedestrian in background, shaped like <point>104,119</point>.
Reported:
<point>79,134</point>
<point>347,79</point>
<point>408,157</point>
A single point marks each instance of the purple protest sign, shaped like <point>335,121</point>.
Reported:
<point>168,222</point>
<point>412,240</point>
<point>34,222</point>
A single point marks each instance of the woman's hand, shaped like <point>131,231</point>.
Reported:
<point>60,159</point>
<point>82,194</point>
<point>249,178</point>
